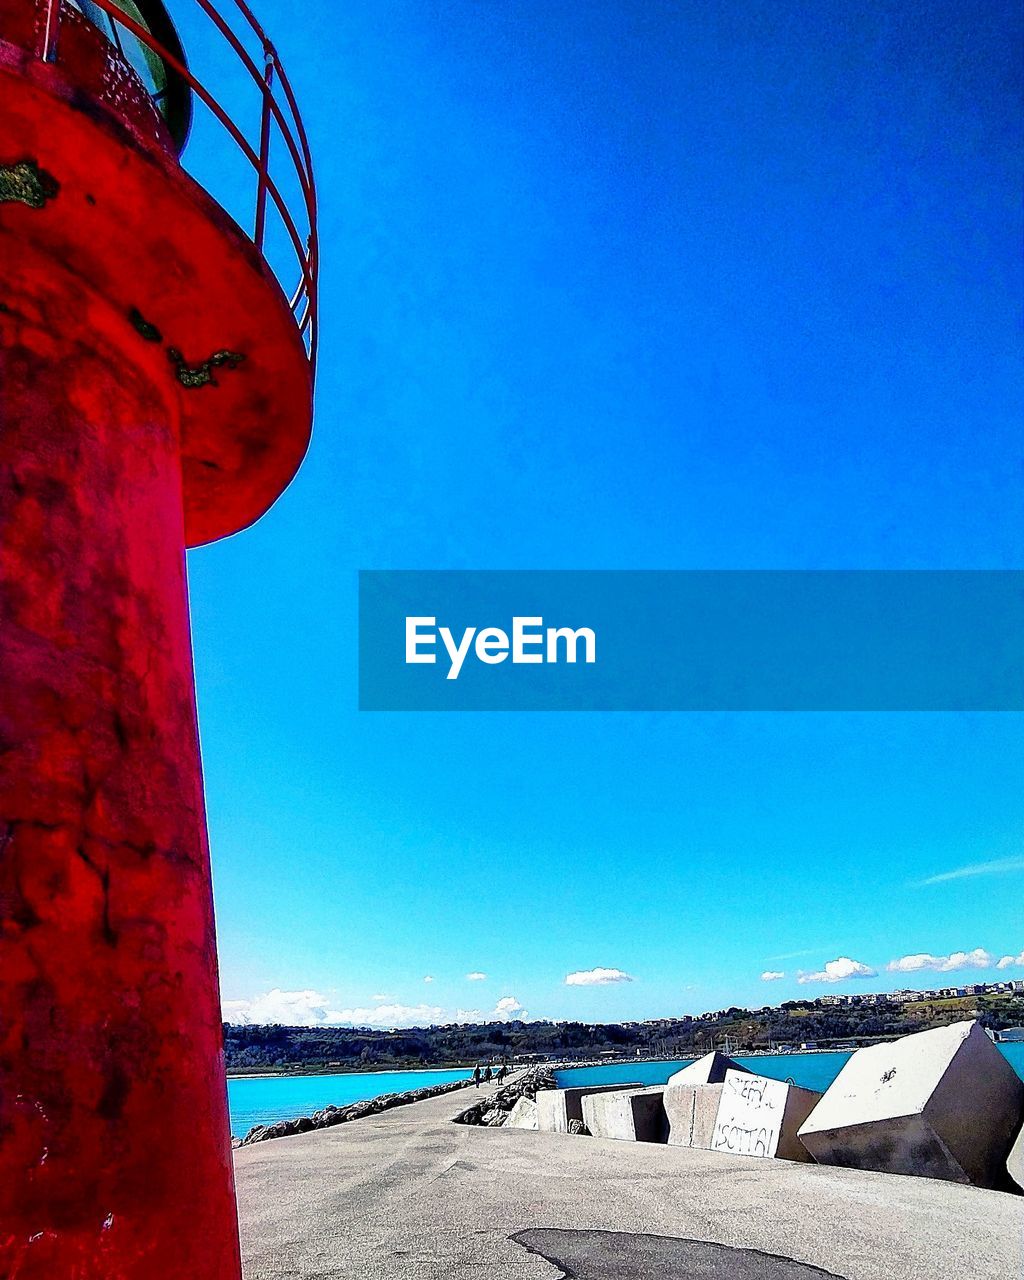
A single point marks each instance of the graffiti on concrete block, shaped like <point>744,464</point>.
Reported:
<point>750,1115</point>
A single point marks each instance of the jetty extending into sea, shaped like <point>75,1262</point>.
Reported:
<point>407,1195</point>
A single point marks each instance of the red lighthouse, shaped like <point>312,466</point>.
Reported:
<point>155,394</point>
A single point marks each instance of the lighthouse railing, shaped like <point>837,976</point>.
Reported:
<point>277,116</point>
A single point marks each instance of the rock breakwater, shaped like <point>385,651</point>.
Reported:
<point>493,1110</point>
<point>329,1116</point>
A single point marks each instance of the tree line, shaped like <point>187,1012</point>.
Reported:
<point>793,1024</point>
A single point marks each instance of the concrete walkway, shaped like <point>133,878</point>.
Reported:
<point>406,1195</point>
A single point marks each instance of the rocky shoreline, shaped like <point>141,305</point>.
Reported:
<point>330,1116</point>
<point>493,1110</point>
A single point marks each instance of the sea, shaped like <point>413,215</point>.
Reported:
<point>810,1070</point>
<point>265,1099</point>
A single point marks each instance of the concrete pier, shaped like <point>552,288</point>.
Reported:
<point>406,1195</point>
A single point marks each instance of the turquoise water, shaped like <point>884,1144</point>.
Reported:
<point>264,1099</point>
<point>811,1070</point>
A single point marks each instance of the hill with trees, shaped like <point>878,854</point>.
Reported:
<point>793,1025</point>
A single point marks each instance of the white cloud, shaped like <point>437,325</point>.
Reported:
<point>997,867</point>
<point>508,1009</point>
<point>289,1008</point>
<point>311,1009</point>
<point>839,970</point>
<point>428,978</point>
<point>913,964</point>
<point>391,1015</point>
<point>1011,962</point>
<point>382,999</point>
<point>236,1012</point>
<point>976,959</point>
<point>596,978</point>
<point>476,977</point>
<point>771,975</point>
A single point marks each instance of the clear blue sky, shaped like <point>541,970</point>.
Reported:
<point>626,285</point>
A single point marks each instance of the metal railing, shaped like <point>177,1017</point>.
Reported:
<point>278,116</point>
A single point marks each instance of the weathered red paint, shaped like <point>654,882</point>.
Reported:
<point>134,225</point>
<point>114,1147</point>
<point>114,1144</point>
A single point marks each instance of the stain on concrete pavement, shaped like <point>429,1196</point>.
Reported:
<point>625,1255</point>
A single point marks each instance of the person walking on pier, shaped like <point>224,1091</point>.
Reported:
<point>476,1075</point>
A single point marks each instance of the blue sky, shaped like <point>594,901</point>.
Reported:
<point>623,285</point>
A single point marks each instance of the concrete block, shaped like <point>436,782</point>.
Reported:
<point>1015,1162</point>
<point>632,1115</point>
<point>710,1069</point>
<point>557,1107</point>
<point>523,1115</point>
<point>691,1111</point>
<point>939,1104</point>
<point>760,1117</point>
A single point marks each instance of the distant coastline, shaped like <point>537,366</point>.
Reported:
<point>826,1024</point>
<point>298,1069</point>
<point>269,1098</point>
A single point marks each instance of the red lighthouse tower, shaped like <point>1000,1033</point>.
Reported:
<point>155,394</point>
